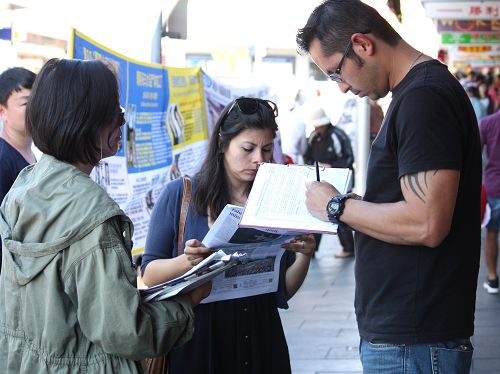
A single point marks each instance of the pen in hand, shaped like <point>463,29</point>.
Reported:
<point>317,171</point>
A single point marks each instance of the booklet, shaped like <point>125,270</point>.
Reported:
<point>277,198</point>
<point>206,270</point>
<point>258,272</point>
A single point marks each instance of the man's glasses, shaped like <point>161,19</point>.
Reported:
<point>335,76</point>
<point>250,105</point>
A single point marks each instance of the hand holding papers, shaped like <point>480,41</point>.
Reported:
<point>258,273</point>
<point>206,270</point>
<point>277,198</point>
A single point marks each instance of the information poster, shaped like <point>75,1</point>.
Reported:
<point>164,138</point>
<point>170,113</point>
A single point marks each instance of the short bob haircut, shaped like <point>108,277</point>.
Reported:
<point>71,101</point>
<point>211,183</point>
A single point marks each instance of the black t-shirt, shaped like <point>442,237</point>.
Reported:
<point>11,163</point>
<point>417,294</point>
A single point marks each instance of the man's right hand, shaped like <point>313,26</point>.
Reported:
<point>318,194</point>
<point>200,293</point>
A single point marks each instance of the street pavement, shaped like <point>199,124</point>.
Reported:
<point>320,325</point>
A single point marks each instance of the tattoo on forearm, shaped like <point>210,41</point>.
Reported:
<point>413,183</point>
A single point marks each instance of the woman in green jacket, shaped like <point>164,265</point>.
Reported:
<point>68,301</point>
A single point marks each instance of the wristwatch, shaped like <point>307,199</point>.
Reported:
<point>335,208</point>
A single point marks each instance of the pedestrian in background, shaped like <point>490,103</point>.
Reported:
<point>376,118</point>
<point>489,130</point>
<point>293,130</point>
<point>417,227</point>
<point>242,335</point>
<point>475,99</point>
<point>68,286</point>
<point>15,141</point>
<point>331,147</point>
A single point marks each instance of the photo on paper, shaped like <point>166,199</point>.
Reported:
<point>100,175</point>
<point>250,235</point>
<point>175,124</point>
<point>250,267</point>
<point>131,117</point>
<point>175,172</point>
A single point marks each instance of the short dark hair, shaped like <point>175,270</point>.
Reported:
<point>334,22</point>
<point>71,101</point>
<point>14,80</point>
<point>211,184</point>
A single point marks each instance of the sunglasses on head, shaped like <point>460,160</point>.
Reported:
<point>250,105</point>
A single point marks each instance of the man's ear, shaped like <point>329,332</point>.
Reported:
<point>362,44</point>
<point>2,111</point>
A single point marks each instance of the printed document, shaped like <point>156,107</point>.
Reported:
<point>277,198</point>
<point>258,271</point>
<point>210,267</point>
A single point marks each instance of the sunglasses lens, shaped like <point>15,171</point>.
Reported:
<point>248,105</point>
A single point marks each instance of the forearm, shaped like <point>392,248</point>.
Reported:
<point>395,223</point>
<point>296,274</point>
<point>162,270</point>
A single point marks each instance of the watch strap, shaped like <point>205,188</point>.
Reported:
<point>339,199</point>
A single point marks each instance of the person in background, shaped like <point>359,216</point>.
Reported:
<point>479,108</point>
<point>376,118</point>
<point>489,130</point>
<point>417,228</point>
<point>494,92</point>
<point>68,285</point>
<point>242,335</point>
<point>331,147</point>
<point>484,97</point>
<point>293,130</point>
<point>15,141</point>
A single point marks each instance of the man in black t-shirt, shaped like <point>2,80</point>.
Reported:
<point>418,224</point>
<point>15,142</point>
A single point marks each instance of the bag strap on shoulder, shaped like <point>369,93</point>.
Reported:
<point>186,200</point>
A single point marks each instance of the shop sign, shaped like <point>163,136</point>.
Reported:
<point>470,38</point>
<point>464,25</point>
<point>465,10</point>
<point>489,50</point>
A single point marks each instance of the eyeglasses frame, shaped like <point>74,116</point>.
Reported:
<point>335,76</point>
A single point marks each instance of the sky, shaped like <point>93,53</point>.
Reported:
<point>127,25</point>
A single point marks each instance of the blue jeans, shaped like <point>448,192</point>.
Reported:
<point>451,357</point>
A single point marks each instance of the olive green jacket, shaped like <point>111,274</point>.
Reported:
<point>68,301</point>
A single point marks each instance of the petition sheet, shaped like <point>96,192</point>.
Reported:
<point>277,198</point>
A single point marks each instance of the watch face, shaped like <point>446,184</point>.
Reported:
<point>333,207</point>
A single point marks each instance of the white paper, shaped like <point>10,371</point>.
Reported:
<point>277,198</point>
<point>209,268</point>
<point>258,272</point>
